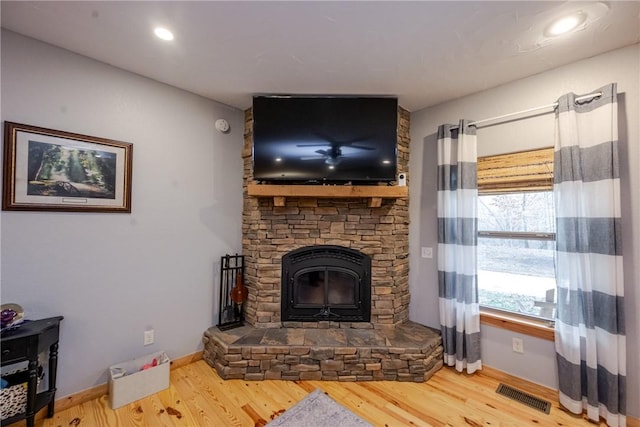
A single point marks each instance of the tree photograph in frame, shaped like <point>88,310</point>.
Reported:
<point>51,170</point>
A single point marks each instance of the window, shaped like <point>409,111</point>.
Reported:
<point>516,233</point>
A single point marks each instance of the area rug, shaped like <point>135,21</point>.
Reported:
<point>318,410</point>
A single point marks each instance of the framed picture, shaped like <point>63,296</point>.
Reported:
<point>52,170</point>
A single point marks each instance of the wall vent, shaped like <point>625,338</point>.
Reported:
<point>524,398</point>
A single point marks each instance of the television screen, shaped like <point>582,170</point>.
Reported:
<point>317,139</point>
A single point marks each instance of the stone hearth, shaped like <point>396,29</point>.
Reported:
<point>408,352</point>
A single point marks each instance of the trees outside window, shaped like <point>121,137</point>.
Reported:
<point>516,243</point>
<point>516,233</point>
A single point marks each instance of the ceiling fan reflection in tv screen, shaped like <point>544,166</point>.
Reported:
<point>325,139</point>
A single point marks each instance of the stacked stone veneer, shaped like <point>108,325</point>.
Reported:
<point>248,354</point>
<point>257,363</point>
<point>269,232</point>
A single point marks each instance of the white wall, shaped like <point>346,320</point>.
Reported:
<point>622,66</point>
<point>114,275</point>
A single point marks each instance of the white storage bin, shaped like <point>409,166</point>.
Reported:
<point>128,383</point>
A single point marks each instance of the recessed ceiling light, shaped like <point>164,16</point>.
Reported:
<point>544,31</point>
<point>565,24</point>
<point>163,34</point>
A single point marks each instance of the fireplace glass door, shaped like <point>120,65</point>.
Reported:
<point>325,287</point>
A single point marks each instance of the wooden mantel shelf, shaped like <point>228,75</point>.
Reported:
<point>375,193</point>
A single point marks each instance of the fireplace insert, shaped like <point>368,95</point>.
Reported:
<point>326,283</point>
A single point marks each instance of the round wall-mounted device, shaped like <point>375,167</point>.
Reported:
<point>222,125</point>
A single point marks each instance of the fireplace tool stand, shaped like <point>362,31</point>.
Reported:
<point>233,293</point>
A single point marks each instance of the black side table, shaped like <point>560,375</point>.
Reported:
<point>26,343</point>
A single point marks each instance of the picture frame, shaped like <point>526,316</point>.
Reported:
<point>53,170</point>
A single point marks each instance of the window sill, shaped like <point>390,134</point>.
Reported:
<point>524,325</point>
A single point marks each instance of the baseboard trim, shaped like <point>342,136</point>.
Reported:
<point>103,389</point>
<point>531,387</point>
<point>186,360</point>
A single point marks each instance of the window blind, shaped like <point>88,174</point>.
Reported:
<point>515,172</point>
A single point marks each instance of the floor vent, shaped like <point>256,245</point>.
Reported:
<point>524,398</point>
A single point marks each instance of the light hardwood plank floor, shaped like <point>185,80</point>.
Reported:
<point>199,397</point>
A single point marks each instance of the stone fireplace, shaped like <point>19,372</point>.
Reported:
<point>382,233</point>
<point>328,282</point>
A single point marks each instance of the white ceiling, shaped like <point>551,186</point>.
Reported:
<point>423,52</point>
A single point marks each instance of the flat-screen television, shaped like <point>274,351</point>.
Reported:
<point>325,139</point>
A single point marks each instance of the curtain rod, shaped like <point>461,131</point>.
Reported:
<point>529,110</point>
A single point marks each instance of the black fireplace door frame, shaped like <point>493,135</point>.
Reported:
<point>324,260</point>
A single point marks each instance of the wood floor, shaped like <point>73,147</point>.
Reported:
<point>198,397</point>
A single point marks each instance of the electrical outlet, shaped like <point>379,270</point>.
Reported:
<point>148,337</point>
<point>518,345</point>
<point>427,252</point>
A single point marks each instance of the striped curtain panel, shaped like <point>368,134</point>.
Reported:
<point>457,245</point>
<point>590,334</point>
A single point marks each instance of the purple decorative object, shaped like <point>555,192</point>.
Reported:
<point>10,315</point>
